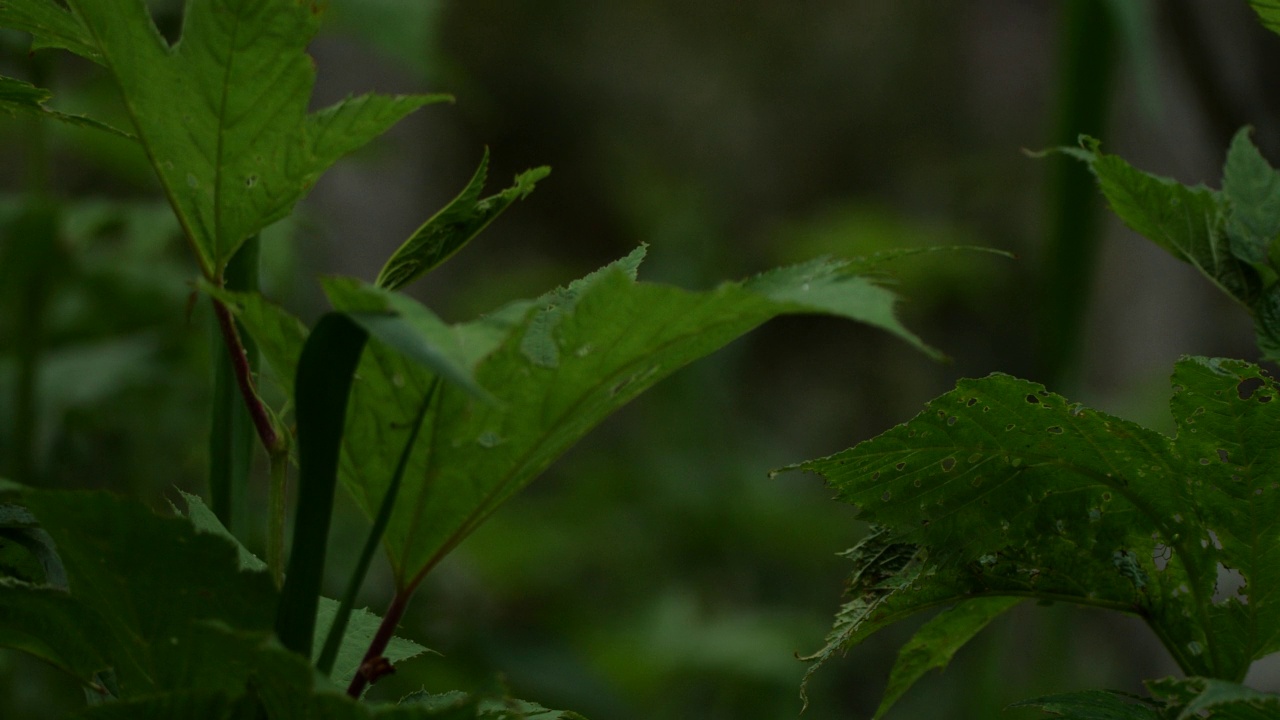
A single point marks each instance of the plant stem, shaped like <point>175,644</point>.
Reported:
<point>370,669</point>
<point>244,380</point>
<point>277,510</point>
<point>231,436</point>
<point>1084,96</point>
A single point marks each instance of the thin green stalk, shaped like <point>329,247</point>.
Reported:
<point>231,436</point>
<point>1084,96</point>
<point>33,242</point>
<point>330,652</point>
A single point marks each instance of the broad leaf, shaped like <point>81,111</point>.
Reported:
<point>1230,236</point>
<point>222,113</point>
<point>557,366</point>
<point>1000,488</point>
<point>144,590</point>
<point>454,226</point>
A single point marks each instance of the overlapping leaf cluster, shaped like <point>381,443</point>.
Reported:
<point>527,381</point>
<point>1000,489</point>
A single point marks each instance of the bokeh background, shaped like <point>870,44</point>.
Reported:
<point>657,571</point>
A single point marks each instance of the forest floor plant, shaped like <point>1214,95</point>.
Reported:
<point>1001,491</point>
<point>428,426</point>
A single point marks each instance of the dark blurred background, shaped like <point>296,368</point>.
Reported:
<point>657,571</point>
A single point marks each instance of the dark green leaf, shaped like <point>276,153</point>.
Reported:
<point>1268,12</point>
<point>454,226</point>
<point>1194,698</point>
<point>360,629</point>
<point>143,590</point>
<point>1096,705</point>
<point>934,644</point>
<point>324,378</point>
<point>1002,488</point>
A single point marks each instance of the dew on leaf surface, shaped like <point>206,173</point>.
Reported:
<point>948,463</point>
<point>886,496</point>
<point>489,439</point>
<point>1195,648</point>
<point>1056,430</point>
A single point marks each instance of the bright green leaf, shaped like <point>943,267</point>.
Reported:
<point>1269,13</point>
<point>222,113</point>
<point>1002,488</point>
<point>454,226</point>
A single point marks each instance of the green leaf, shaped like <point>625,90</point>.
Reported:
<point>144,590</point>
<point>934,644</point>
<point>17,97</point>
<point>1000,488</point>
<point>1187,222</point>
<point>1269,13</point>
<point>1096,705</point>
<point>1230,236</point>
<point>360,628</point>
<point>454,226</point>
<point>484,708</point>
<point>51,26</point>
<point>1206,697</point>
<point>222,113</point>
<point>558,366</point>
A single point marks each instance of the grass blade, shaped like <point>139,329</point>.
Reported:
<point>331,644</point>
<point>325,373</point>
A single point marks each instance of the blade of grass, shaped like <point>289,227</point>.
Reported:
<point>1084,92</point>
<point>334,640</point>
<point>326,370</point>
<point>232,435</point>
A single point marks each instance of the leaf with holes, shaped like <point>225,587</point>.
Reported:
<point>222,113</point>
<point>1000,488</point>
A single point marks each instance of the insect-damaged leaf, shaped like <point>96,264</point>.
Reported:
<point>223,112</point>
<point>454,226</point>
<point>1002,488</point>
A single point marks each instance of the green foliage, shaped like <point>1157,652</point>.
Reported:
<point>557,366</point>
<point>1228,235</point>
<point>454,226</point>
<point>429,426</point>
<point>222,114</point>
<point>1000,488</point>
